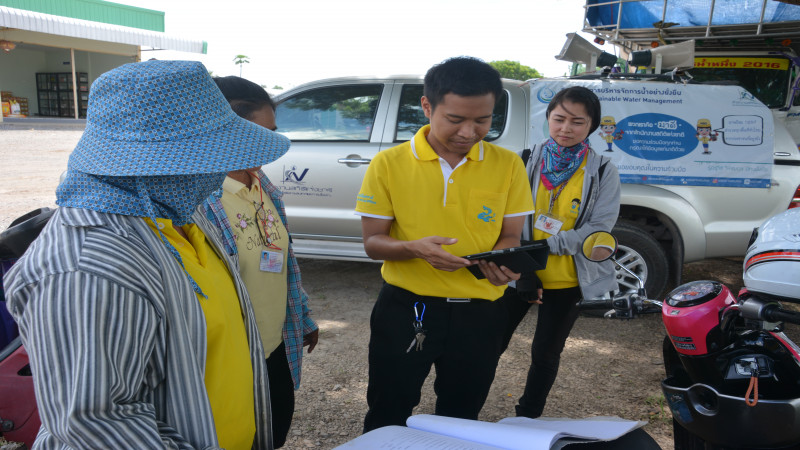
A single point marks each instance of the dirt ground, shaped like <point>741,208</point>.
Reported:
<point>609,367</point>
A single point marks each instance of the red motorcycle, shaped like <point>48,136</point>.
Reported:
<point>732,375</point>
<point>19,417</point>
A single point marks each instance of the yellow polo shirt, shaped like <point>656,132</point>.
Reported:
<point>601,240</point>
<point>560,272</point>
<point>228,372</point>
<point>412,186</point>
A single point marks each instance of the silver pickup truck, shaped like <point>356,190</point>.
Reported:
<point>338,125</point>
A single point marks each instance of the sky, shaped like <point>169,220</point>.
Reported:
<point>289,42</point>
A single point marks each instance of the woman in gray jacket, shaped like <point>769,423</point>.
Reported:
<point>576,192</point>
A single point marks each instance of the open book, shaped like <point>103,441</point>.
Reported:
<point>519,433</point>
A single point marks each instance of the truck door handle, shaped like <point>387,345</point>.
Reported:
<point>353,160</point>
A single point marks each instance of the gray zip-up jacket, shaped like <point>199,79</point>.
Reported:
<point>598,212</point>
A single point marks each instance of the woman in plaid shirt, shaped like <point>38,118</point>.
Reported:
<point>250,213</point>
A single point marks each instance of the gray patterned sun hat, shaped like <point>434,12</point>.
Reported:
<point>167,118</point>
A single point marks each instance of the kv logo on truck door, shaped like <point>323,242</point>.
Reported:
<point>290,175</point>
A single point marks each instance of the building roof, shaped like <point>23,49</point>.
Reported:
<point>95,11</point>
<point>86,29</point>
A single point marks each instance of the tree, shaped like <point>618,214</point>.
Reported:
<point>239,60</point>
<point>515,70</point>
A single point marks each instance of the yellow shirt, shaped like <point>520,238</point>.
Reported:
<point>410,185</point>
<point>560,272</point>
<point>599,245</point>
<point>228,373</point>
<point>263,245</point>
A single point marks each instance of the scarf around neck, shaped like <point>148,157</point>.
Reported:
<point>173,197</point>
<point>560,163</point>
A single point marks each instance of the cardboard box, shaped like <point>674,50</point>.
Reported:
<point>23,105</point>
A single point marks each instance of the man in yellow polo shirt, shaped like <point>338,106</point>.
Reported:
<point>424,204</point>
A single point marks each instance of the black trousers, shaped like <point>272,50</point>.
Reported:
<point>557,315</point>
<point>281,393</point>
<point>462,341</point>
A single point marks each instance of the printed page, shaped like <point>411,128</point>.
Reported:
<point>599,428</point>
<point>403,438</point>
<point>507,436</point>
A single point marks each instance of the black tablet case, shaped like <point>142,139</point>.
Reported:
<point>525,258</point>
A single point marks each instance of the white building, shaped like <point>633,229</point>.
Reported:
<point>52,50</point>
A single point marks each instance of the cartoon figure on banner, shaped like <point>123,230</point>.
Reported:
<point>705,135</point>
<point>609,132</point>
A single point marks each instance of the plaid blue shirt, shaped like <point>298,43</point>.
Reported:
<point>298,321</point>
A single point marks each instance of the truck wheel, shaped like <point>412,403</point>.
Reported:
<point>640,253</point>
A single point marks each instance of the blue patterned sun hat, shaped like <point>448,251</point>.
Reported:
<point>167,118</point>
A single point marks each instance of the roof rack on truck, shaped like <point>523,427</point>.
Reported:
<point>712,24</point>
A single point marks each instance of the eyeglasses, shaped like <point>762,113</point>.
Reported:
<point>261,226</point>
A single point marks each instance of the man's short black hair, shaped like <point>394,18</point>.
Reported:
<point>244,96</point>
<point>583,96</point>
<point>464,76</point>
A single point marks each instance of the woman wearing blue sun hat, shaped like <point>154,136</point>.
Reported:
<point>139,329</point>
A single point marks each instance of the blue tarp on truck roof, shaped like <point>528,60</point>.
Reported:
<point>686,13</point>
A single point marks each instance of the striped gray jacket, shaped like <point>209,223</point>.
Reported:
<point>116,337</point>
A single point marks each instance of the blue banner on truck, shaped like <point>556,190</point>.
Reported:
<point>675,134</point>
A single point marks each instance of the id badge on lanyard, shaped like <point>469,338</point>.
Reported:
<point>271,261</point>
<point>548,222</point>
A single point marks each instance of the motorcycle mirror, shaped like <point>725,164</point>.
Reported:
<point>599,246</point>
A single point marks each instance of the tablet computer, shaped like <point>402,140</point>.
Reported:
<point>524,258</point>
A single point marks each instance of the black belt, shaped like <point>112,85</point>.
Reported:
<point>439,299</point>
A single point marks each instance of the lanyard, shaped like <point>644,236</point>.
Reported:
<point>258,183</point>
<point>554,198</point>
<point>261,224</point>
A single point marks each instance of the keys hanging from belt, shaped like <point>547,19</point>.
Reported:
<point>419,333</point>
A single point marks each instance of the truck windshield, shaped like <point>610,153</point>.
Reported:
<point>766,78</point>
